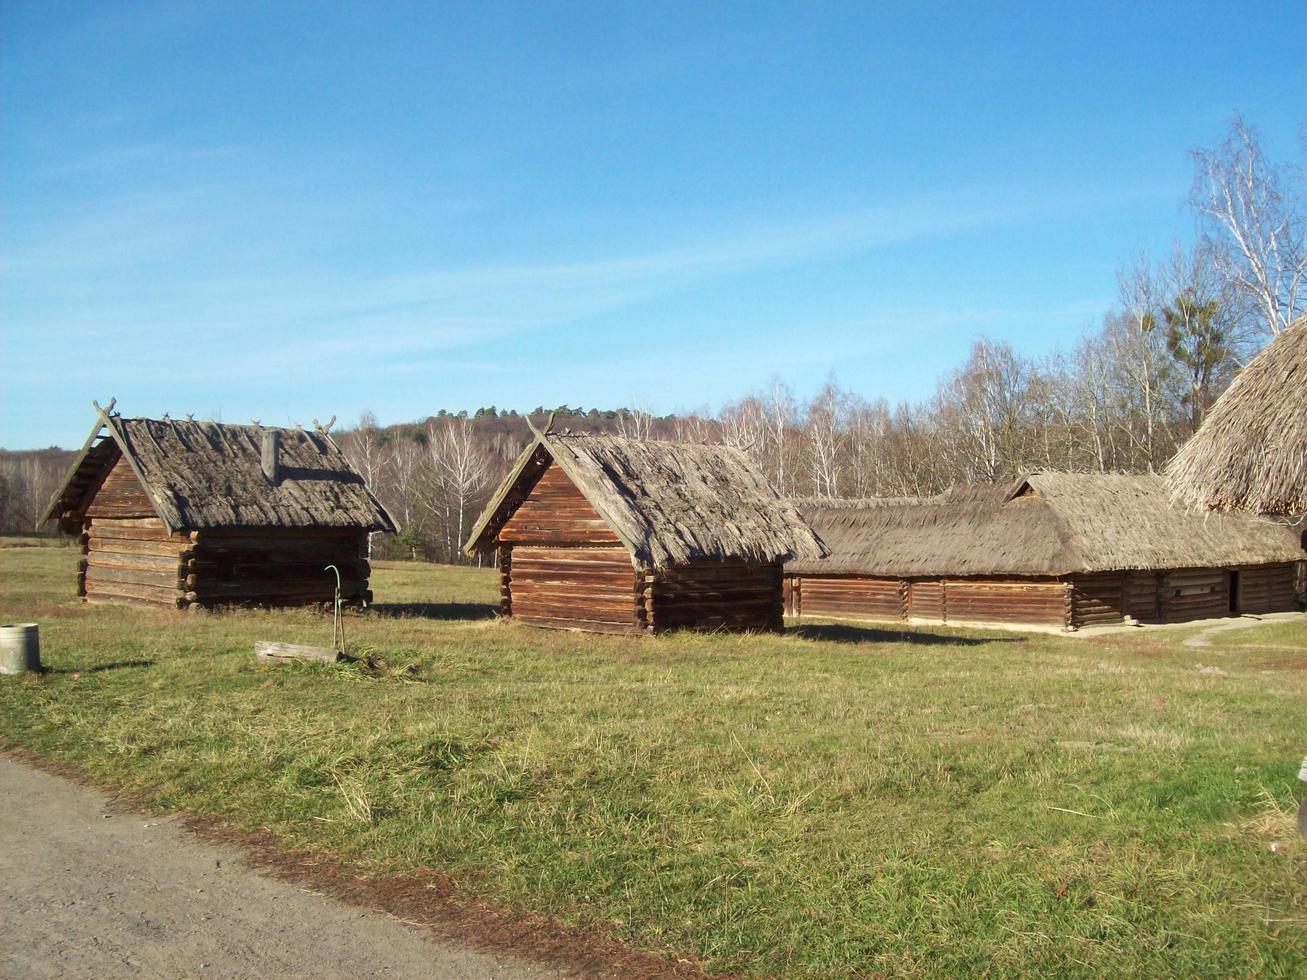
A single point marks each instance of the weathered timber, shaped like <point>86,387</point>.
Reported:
<point>270,652</point>
<point>1265,589</point>
<point>563,565</point>
<point>185,504</point>
<point>121,495</point>
<point>106,530</point>
<point>110,590</point>
<point>168,580</point>
<point>109,559</point>
<point>581,625</point>
<point>126,600</point>
<point>138,522</point>
<point>556,511</point>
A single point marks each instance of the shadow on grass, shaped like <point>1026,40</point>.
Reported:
<point>98,668</point>
<point>434,610</point>
<point>867,634</point>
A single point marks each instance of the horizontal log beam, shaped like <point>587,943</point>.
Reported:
<point>269,652</point>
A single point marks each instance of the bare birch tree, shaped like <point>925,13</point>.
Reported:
<point>1256,215</point>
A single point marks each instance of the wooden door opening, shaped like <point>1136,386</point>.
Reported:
<point>1234,593</point>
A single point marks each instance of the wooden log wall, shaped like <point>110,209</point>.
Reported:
<point>562,567</point>
<point>732,595</point>
<point>129,556</point>
<point>1195,593</point>
<point>1098,599</point>
<point>556,512</point>
<point>120,494</point>
<point>584,588</point>
<point>855,597</point>
<point>278,566</point>
<point>926,600</point>
<point>505,563</point>
<point>1142,599</point>
<point>1267,588</point>
<point>1033,602</point>
<point>133,559</point>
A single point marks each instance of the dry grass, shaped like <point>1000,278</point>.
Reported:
<point>828,802</point>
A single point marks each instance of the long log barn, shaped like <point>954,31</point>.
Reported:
<point>1055,550</point>
<point>189,513</point>
<point>619,535</point>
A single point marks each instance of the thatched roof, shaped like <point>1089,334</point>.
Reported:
<point>209,475</point>
<point>1251,451</point>
<point>1044,524</point>
<point>669,502</point>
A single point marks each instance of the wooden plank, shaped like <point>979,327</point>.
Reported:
<point>97,574</point>
<point>584,626</point>
<point>105,528</point>
<point>108,559</point>
<point>211,589</point>
<point>125,600</point>
<point>148,522</point>
<point>120,495</point>
<point>270,652</point>
<point>556,511</point>
<point>125,546</point>
<point>169,596</point>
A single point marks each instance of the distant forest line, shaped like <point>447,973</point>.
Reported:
<point>1121,399</point>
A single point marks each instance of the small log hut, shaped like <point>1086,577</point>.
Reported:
<point>187,513</point>
<point>1053,550</point>
<point>618,535</point>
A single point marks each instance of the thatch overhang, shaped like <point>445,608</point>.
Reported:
<point>1251,451</point>
<point>670,503</point>
<point>1045,524</point>
<point>200,475</point>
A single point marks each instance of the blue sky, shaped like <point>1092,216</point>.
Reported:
<point>288,211</point>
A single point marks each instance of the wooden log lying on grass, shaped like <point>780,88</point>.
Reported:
<point>281,652</point>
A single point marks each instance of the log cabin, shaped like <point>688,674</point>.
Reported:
<point>204,514</point>
<point>617,535</point>
<point>1055,550</point>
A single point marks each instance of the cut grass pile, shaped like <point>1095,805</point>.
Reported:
<point>833,801</point>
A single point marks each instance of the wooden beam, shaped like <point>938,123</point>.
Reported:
<point>270,652</point>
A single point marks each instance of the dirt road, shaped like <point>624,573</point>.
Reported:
<point>93,891</point>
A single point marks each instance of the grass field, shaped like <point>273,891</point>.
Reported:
<point>833,801</point>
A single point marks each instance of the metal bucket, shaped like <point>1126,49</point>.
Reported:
<point>20,648</point>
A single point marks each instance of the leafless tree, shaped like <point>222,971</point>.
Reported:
<point>460,471</point>
<point>826,433</point>
<point>635,423</point>
<point>1256,217</point>
<point>364,449</point>
<point>407,460</point>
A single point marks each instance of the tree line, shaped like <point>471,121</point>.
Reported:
<point>1120,399</point>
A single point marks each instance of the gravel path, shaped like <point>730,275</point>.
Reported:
<point>1204,639</point>
<point>93,891</point>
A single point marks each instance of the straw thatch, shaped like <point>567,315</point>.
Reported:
<point>670,503</point>
<point>1046,524</point>
<point>1251,451</point>
<point>209,475</point>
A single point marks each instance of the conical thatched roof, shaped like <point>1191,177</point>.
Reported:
<point>669,502</point>
<point>1044,524</point>
<point>209,475</point>
<point>1251,451</point>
